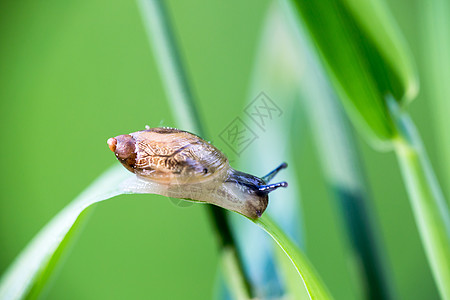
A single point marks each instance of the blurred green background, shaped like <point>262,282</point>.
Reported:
<point>74,73</point>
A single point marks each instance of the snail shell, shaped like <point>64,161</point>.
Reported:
<point>182,165</point>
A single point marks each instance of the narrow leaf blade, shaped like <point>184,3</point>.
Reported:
<point>359,60</point>
<point>313,284</point>
<point>30,270</point>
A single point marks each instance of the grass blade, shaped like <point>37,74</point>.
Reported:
<point>168,58</point>
<point>28,274</point>
<point>32,268</point>
<point>359,60</point>
<point>312,282</point>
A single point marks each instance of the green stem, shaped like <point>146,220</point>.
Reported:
<point>436,66</point>
<point>428,204</point>
<point>182,100</point>
<point>168,58</point>
<point>235,280</point>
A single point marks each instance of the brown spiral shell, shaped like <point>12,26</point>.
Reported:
<point>168,155</point>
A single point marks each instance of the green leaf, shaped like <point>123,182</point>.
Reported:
<point>43,276</point>
<point>381,29</point>
<point>366,58</point>
<point>31,270</point>
<point>29,273</point>
<point>311,280</point>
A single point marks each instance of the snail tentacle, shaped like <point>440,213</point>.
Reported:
<point>271,187</point>
<point>267,178</point>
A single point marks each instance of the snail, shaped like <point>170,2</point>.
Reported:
<point>180,164</point>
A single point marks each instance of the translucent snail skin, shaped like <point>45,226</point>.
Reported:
<point>180,164</point>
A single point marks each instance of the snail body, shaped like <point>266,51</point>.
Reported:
<point>180,164</point>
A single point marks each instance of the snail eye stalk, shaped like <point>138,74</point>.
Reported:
<point>267,178</point>
<point>271,187</point>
